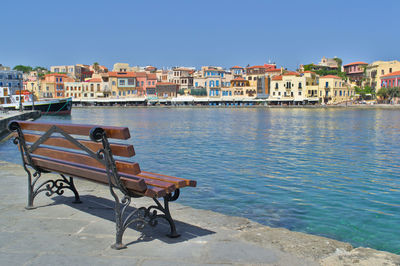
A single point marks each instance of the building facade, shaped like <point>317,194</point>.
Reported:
<point>11,79</point>
<point>355,72</point>
<point>376,70</point>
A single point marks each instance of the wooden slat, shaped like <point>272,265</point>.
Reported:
<point>125,150</point>
<point>180,182</point>
<point>76,129</point>
<point>137,186</point>
<point>168,186</point>
<point>79,170</point>
<point>177,183</point>
<point>74,157</point>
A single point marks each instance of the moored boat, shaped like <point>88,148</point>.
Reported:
<point>57,106</point>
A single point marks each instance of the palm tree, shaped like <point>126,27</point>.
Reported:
<point>96,67</point>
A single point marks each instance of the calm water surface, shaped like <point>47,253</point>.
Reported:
<point>329,172</point>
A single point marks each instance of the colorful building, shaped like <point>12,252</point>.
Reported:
<point>166,90</point>
<point>123,85</point>
<point>377,69</point>
<point>391,80</point>
<point>332,90</point>
<point>355,72</point>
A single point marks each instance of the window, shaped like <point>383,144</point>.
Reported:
<point>383,72</point>
<point>335,93</point>
<point>284,94</point>
<point>299,93</point>
<point>279,93</point>
<point>273,93</point>
<point>131,81</point>
<point>276,85</point>
<point>390,70</point>
<point>299,85</point>
<point>149,83</point>
<point>340,93</point>
<point>121,82</point>
<point>291,93</point>
<point>113,83</point>
<point>249,78</point>
<point>326,84</point>
<point>142,83</point>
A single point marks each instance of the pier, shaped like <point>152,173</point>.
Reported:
<point>6,117</point>
<point>62,232</point>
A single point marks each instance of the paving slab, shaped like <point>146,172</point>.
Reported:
<point>59,232</point>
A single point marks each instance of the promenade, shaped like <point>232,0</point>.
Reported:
<point>61,233</point>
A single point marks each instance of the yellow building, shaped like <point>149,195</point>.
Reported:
<point>293,88</point>
<point>332,90</point>
<point>123,85</point>
<point>377,69</point>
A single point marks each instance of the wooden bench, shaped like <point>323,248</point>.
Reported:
<point>84,151</point>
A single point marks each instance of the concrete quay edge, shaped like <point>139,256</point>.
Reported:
<point>59,232</point>
<point>5,118</point>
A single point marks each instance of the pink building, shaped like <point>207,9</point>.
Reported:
<point>355,71</point>
<point>391,80</point>
<point>146,82</point>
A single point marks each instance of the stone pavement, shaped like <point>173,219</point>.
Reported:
<point>58,232</point>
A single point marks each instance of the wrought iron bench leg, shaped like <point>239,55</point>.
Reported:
<point>49,186</point>
<point>166,213</point>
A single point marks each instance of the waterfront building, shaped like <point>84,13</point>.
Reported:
<point>258,80</point>
<point>355,72</point>
<point>332,90</point>
<point>165,90</point>
<point>123,85</point>
<point>292,88</point>
<point>391,80</point>
<point>78,72</point>
<point>237,71</point>
<point>240,87</point>
<point>377,69</point>
<point>58,81</point>
<point>183,77</point>
<point>4,68</point>
<point>73,89</point>
<point>11,79</point>
<point>146,82</point>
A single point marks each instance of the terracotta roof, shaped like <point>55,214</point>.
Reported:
<point>122,74</point>
<point>141,74</point>
<point>239,78</point>
<point>55,74</point>
<point>277,77</point>
<point>273,70</point>
<point>396,73</point>
<point>152,76</point>
<point>236,67</point>
<point>94,80</point>
<point>356,63</point>
<point>291,73</point>
<point>330,77</point>
<point>258,67</point>
<point>308,71</point>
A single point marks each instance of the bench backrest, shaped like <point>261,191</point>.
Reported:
<point>68,147</point>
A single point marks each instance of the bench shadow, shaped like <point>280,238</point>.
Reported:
<point>104,208</point>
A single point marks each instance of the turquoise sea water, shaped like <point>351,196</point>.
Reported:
<point>329,172</point>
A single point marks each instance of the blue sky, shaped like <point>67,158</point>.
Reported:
<point>196,33</point>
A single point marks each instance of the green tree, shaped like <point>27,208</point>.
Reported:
<point>96,67</point>
<point>383,93</point>
<point>25,69</point>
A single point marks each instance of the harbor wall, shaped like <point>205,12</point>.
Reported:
<point>5,118</point>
